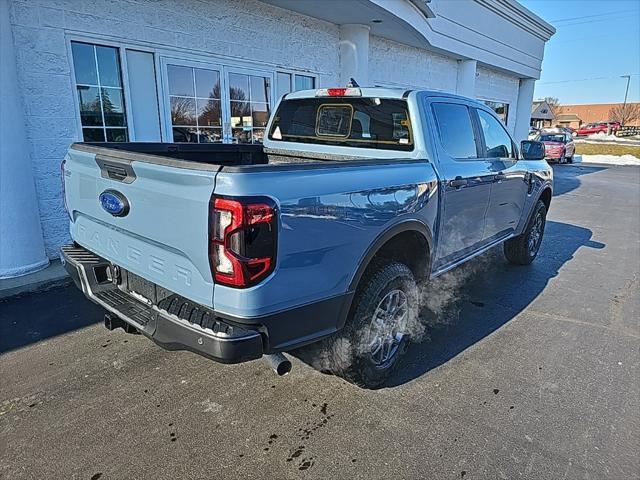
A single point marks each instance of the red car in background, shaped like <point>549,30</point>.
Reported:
<point>591,128</point>
<point>558,146</point>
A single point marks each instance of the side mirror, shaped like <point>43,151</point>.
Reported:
<point>532,150</point>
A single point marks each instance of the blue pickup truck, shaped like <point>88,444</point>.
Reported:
<point>319,236</point>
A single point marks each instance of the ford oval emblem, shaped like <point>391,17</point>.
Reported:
<point>114,203</point>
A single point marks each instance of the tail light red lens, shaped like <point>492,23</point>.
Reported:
<point>242,240</point>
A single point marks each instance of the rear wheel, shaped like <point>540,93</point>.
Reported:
<point>377,333</point>
<point>523,249</point>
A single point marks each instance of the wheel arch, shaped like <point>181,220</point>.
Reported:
<point>545,196</point>
<point>417,241</point>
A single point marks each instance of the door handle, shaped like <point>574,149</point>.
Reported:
<point>458,182</point>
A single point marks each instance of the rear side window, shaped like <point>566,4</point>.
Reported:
<point>497,140</point>
<point>349,122</point>
<point>455,130</point>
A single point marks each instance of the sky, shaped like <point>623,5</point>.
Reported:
<point>596,42</point>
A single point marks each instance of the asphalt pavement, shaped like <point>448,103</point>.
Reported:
<point>524,372</point>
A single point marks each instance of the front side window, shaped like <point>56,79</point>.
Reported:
<point>497,141</point>
<point>344,121</point>
<point>100,94</point>
<point>194,96</point>
<point>455,130</point>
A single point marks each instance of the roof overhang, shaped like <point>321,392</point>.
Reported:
<point>498,33</point>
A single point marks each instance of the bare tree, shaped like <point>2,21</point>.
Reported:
<point>625,113</point>
<point>183,110</point>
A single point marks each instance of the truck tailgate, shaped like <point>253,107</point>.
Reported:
<point>164,235</point>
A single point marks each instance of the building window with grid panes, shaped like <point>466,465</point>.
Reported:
<point>100,93</point>
<point>194,95</point>
<point>289,82</point>
<point>250,97</point>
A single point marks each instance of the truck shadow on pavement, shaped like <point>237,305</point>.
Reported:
<point>467,304</point>
<point>569,180</point>
<point>34,317</point>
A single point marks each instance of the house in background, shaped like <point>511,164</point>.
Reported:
<point>570,120</point>
<point>212,70</point>
<point>541,114</point>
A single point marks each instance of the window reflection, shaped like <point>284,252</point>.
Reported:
<point>183,111</point>
<point>501,109</point>
<point>108,67</point>
<point>250,97</point>
<point>90,109</point>
<point>180,80</point>
<point>209,113</point>
<point>100,95</point>
<point>194,95</point>
<point>304,82</point>
<point>113,107</point>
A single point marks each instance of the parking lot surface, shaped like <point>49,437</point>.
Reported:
<point>525,372</point>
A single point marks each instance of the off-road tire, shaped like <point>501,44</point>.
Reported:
<point>517,249</point>
<point>347,354</point>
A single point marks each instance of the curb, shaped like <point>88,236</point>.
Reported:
<point>53,276</point>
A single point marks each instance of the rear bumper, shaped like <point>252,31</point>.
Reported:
<point>206,335</point>
<point>176,323</point>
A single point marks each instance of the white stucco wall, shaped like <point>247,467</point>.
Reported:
<point>393,63</point>
<point>232,29</point>
<point>498,87</point>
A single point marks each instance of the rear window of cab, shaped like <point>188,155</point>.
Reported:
<point>349,122</point>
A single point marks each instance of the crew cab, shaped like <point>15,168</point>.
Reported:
<point>318,238</point>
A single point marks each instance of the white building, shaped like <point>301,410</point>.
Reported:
<point>114,69</point>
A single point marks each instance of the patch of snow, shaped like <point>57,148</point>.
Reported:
<point>603,137</point>
<point>607,159</point>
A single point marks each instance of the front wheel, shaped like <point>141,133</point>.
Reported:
<point>523,249</point>
<point>377,333</point>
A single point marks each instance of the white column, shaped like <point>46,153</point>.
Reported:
<point>466,80</point>
<point>21,243</point>
<point>354,54</point>
<point>523,108</point>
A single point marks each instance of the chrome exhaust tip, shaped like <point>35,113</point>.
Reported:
<point>279,363</point>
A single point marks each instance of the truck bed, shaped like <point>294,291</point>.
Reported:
<point>216,157</point>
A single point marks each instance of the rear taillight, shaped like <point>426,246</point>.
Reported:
<point>242,240</point>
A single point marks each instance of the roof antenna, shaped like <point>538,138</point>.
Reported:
<point>352,83</point>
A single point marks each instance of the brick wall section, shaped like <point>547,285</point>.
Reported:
<point>594,112</point>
